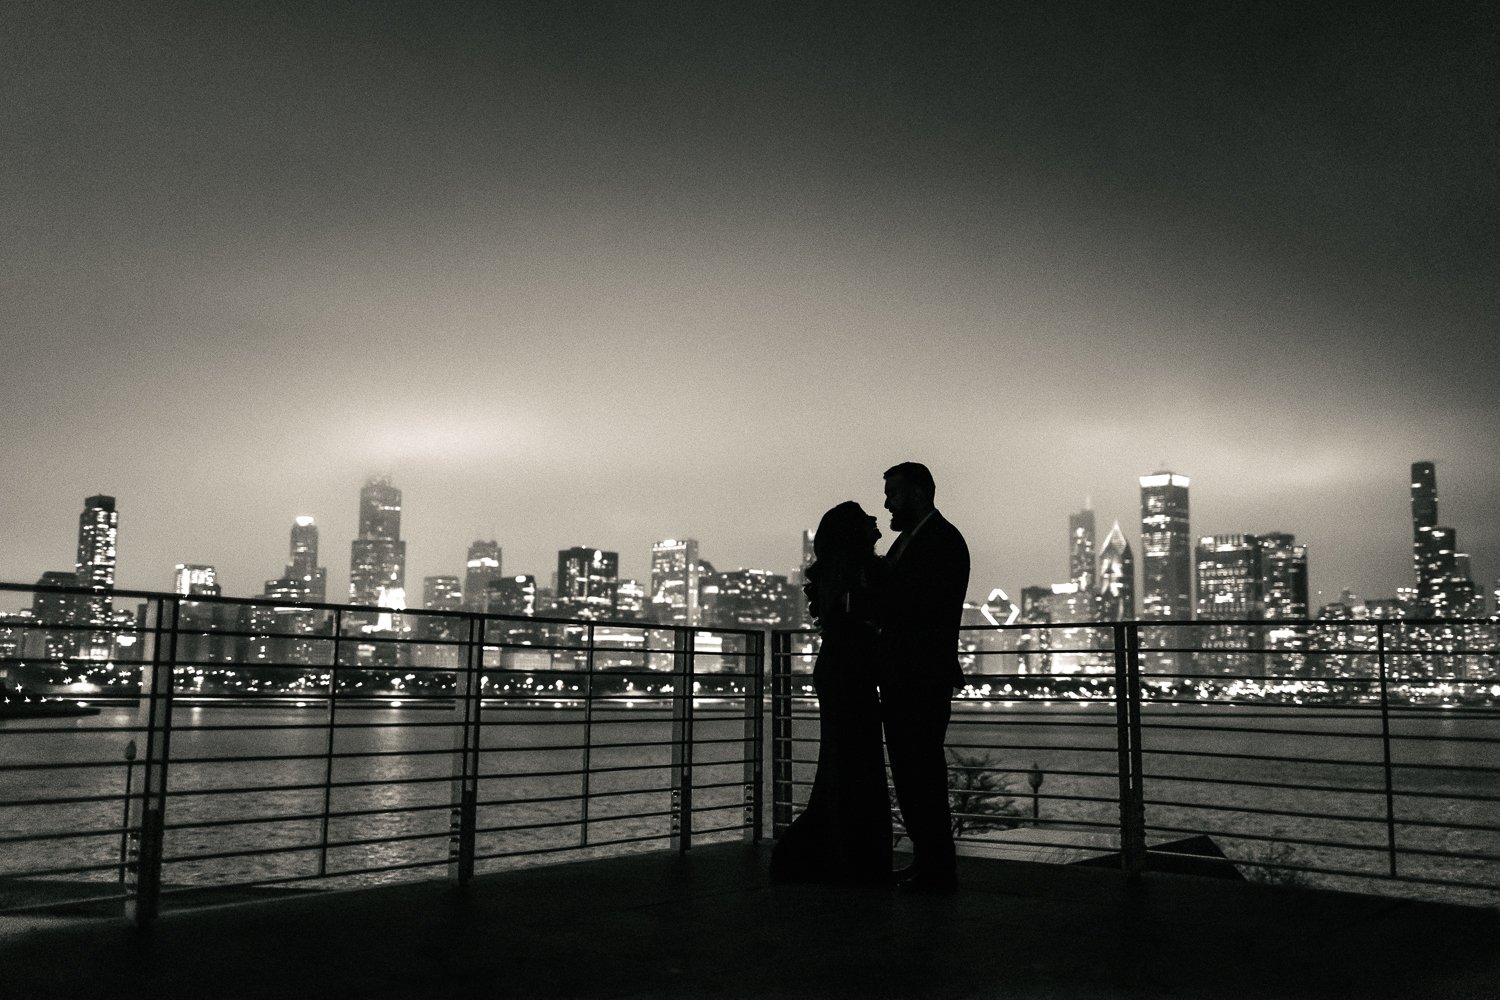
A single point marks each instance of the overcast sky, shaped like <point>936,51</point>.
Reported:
<point>601,274</point>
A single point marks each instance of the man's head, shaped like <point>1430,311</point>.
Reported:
<point>909,490</point>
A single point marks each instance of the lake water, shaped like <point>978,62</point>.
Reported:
<point>392,788</point>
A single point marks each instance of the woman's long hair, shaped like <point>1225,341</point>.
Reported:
<point>842,550</point>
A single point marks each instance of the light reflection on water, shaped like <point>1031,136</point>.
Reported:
<point>409,767</point>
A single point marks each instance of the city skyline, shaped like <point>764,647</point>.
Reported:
<point>704,271</point>
<point>1172,581</point>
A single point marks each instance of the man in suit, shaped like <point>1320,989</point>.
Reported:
<point>928,580</point>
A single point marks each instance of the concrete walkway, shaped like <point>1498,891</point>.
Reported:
<point>709,925</point>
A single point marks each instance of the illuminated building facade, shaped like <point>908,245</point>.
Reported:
<point>1061,603</point>
<point>587,580</point>
<point>513,595</point>
<point>630,600</point>
<point>195,580</point>
<point>98,533</point>
<point>1117,576</point>
<point>749,598</point>
<point>1283,575</point>
<point>1229,590</point>
<point>1284,597</point>
<point>1445,588</point>
<point>442,593</point>
<point>1166,568</point>
<point>1166,552</point>
<point>377,558</point>
<point>1229,583</point>
<point>1081,548</point>
<point>304,566</point>
<point>51,608</point>
<point>675,582</point>
<point>481,568</point>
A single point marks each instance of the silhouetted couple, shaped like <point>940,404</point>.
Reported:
<point>889,656</point>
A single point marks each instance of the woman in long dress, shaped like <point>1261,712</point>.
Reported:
<point>844,834</point>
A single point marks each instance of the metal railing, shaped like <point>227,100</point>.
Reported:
<point>245,744</point>
<point>1349,754</point>
<point>208,744</point>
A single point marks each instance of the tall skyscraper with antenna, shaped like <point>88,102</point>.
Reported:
<point>1444,586</point>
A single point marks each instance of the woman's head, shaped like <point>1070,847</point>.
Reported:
<point>846,530</point>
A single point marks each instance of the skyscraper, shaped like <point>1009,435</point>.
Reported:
<point>1081,548</point>
<point>1283,584</point>
<point>481,569</point>
<point>674,581</point>
<point>1229,581</point>
<point>513,595</point>
<point>586,582</point>
<point>195,580</point>
<point>1283,576</point>
<point>1117,576</point>
<point>441,593</point>
<point>1229,589</point>
<point>1444,586</point>
<point>630,600</point>
<point>748,598</point>
<point>98,530</point>
<point>377,558</point>
<point>1166,551</point>
<point>304,566</point>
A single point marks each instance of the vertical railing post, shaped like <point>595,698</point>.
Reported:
<point>1127,655</point>
<point>1385,744</point>
<point>467,704</point>
<point>147,824</point>
<point>332,722</point>
<point>781,732</point>
<point>755,669</point>
<point>683,640</point>
<point>588,739</point>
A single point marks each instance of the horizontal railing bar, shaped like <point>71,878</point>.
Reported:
<point>81,765</point>
<point>1468,768</point>
<point>1058,723</point>
<point>557,849</point>
<point>106,866</point>
<point>574,772</point>
<point>295,817</point>
<point>1258,811</point>
<point>315,786</point>
<point>576,821</point>
<point>26,838</point>
<point>1275,758</point>
<point>1379,848</point>
<point>1257,731</point>
<point>72,734</point>
<point>71,800</point>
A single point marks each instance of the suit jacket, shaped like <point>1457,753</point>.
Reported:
<point>924,605</point>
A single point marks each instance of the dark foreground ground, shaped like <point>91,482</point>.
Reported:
<point>709,925</point>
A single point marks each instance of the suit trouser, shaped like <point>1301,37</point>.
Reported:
<point>916,723</point>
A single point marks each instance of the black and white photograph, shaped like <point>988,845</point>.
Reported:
<point>650,498</point>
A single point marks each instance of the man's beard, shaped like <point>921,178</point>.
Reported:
<point>901,520</point>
